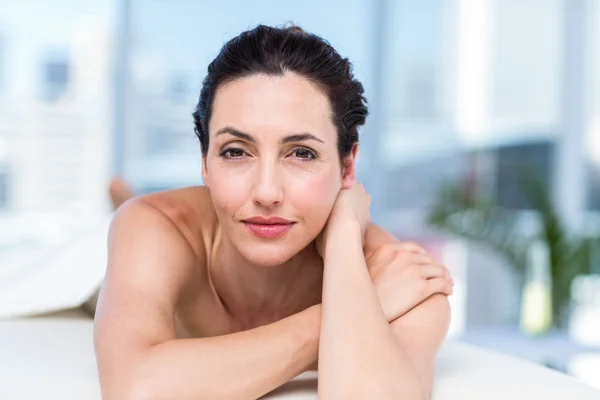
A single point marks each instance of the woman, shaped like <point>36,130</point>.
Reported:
<point>228,291</point>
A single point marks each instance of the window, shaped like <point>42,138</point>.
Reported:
<point>55,79</point>
<point>593,129</point>
<point>179,89</point>
<point>594,187</point>
<point>163,139</point>
<point>518,162</point>
<point>414,91</point>
<point>2,62</point>
<point>4,189</point>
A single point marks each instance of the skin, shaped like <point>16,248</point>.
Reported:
<point>191,298</point>
<point>119,192</point>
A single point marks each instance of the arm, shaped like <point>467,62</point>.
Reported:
<point>357,344</point>
<point>421,331</point>
<point>138,355</point>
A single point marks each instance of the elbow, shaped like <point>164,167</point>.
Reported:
<point>408,389</point>
<point>141,389</point>
<point>373,387</point>
<point>131,389</point>
<point>125,389</point>
<point>412,392</point>
<point>118,383</point>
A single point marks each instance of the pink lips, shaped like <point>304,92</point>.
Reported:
<point>268,228</point>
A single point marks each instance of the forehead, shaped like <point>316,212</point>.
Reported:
<point>261,104</point>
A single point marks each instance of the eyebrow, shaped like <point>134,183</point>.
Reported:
<point>297,137</point>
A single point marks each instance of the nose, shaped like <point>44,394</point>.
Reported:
<point>268,189</point>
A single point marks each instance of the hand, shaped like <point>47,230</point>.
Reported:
<point>350,204</point>
<point>404,275</point>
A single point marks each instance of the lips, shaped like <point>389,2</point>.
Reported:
<point>268,228</point>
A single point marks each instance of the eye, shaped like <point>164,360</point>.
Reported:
<point>232,152</point>
<point>304,154</point>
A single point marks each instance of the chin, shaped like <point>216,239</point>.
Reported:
<point>269,255</point>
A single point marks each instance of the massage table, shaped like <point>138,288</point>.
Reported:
<point>52,357</point>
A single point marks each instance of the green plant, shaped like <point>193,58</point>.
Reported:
<point>480,219</point>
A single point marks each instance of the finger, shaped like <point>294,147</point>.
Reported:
<point>424,259</point>
<point>445,272</point>
<point>439,285</point>
<point>419,258</point>
<point>412,247</point>
<point>434,271</point>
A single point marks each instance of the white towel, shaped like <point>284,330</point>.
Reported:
<point>66,277</point>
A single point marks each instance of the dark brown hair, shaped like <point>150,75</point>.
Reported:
<point>274,51</point>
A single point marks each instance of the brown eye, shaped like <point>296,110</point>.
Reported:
<point>232,153</point>
<point>304,154</point>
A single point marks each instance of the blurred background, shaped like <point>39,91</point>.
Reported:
<point>482,144</point>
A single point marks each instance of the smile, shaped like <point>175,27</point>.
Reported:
<point>268,231</point>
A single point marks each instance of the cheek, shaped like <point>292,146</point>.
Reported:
<point>228,190</point>
<point>316,189</point>
<point>314,194</point>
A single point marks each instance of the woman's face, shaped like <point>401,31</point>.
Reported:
<point>273,153</point>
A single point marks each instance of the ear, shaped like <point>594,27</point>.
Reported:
<point>204,171</point>
<point>348,169</point>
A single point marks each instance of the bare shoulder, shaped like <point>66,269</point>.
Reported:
<point>145,246</point>
<point>177,223</point>
<point>156,252</point>
<point>182,202</point>
<point>190,209</point>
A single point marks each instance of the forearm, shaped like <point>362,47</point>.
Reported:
<point>357,344</point>
<point>421,332</point>
<point>243,365</point>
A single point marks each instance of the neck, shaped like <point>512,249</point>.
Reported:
<point>256,295</point>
